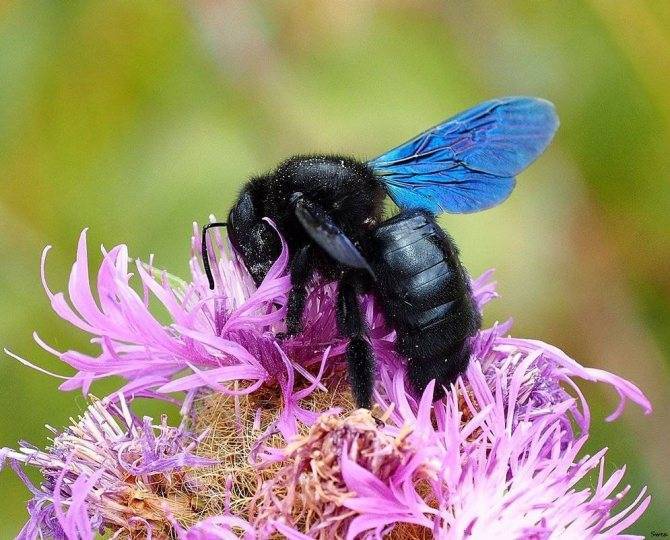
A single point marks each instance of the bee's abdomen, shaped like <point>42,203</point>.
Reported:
<point>423,287</point>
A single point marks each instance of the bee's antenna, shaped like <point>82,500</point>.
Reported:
<point>205,254</point>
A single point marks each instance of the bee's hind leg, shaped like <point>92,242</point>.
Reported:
<point>359,354</point>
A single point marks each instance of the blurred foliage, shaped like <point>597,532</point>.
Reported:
<point>136,118</point>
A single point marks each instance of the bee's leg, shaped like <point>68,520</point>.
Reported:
<point>301,272</point>
<point>351,324</point>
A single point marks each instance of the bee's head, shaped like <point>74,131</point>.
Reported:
<point>253,238</point>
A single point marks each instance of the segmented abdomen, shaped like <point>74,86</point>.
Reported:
<point>424,289</point>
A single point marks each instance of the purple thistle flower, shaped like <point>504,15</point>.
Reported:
<point>498,455</point>
<point>215,337</point>
<point>109,471</point>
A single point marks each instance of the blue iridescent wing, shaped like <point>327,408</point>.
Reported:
<point>468,163</point>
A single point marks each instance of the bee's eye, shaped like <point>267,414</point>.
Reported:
<point>259,247</point>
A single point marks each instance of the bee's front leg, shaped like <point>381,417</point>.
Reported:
<point>302,268</point>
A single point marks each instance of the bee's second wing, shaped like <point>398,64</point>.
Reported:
<point>328,235</point>
<point>468,163</point>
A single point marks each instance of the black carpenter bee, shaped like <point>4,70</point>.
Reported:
<point>329,210</point>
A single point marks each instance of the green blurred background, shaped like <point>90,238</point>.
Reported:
<point>136,118</point>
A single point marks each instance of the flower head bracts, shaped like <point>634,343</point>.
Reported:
<point>110,471</point>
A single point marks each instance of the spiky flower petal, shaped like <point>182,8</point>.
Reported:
<point>500,454</point>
